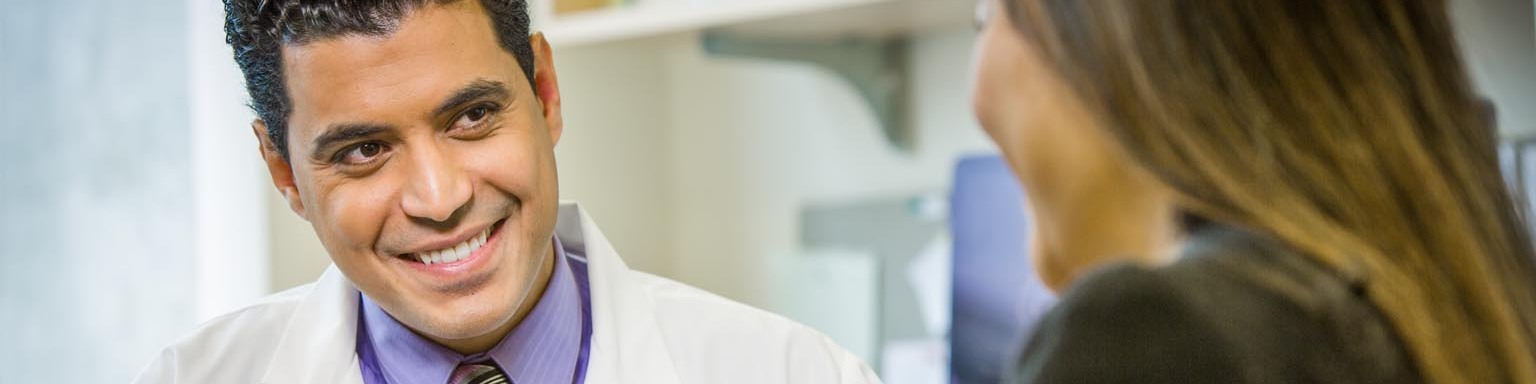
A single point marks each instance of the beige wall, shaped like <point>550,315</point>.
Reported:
<point>297,256</point>
<point>612,156</point>
<point>755,141</point>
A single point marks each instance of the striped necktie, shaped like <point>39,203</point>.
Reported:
<point>478,374</point>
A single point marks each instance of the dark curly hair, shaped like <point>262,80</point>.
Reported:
<point>257,30</point>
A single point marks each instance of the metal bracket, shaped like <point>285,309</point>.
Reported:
<point>875,67</point>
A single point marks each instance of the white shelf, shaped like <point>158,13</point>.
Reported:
<point>768,17</point>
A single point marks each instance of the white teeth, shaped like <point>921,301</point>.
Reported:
<point>455,253</point>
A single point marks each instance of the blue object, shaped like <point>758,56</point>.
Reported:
<point>997,296</point>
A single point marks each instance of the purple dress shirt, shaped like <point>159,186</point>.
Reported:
<point>550,345</point>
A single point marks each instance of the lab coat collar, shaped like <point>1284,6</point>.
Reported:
<point>319,343</point>
<point>627,344</point>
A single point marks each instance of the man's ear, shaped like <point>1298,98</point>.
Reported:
<point>281,171</point>
<point>545,85</point>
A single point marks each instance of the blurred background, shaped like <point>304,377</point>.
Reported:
<point>816,158</point>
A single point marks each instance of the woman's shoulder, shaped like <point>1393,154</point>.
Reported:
<point>1127,324</point>
<point>1237,307</point>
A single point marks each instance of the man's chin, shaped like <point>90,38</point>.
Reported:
<point>468,326</point>
<point>468,330</point>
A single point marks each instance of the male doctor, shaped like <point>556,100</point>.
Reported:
<point>417,137</point>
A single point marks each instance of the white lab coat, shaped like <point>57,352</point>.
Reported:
<point>646,329</point>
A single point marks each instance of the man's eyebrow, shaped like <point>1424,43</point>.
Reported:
<point>475,90</point>
<point>344,132</point>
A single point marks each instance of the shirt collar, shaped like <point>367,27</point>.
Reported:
<point>543,348</point>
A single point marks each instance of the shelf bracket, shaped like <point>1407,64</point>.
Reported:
<point>875,67</point>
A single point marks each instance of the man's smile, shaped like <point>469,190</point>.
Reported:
<point>461,268</point>
<point>440,254</point>
<point>454,253</point>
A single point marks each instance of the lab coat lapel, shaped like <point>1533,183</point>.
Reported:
<point>627,344</point>
<point>319,343</point>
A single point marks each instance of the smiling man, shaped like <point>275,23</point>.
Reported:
<point>417,138</point>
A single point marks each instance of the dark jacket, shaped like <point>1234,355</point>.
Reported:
<point>1236,308</point>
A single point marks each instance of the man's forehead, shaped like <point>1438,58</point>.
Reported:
<point>396,75</point>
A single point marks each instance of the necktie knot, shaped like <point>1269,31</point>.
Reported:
<point>482,373</point>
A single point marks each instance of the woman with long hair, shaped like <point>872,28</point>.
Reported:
<point>1310,189</point>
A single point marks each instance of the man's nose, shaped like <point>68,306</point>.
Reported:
<point>437,188</point>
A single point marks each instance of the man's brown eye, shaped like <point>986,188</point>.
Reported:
<point>369,149</point>
<point>477,113</point>
<point>359,154</point>
<point>475,119</point>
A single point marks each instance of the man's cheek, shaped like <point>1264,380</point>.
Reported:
<point>507,170</point>
<point>358,215</point>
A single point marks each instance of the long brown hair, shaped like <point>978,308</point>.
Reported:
<point>1347,129</point>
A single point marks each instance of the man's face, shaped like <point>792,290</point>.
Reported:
<point>425,143</point>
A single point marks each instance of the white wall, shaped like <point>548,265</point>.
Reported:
<point>94,175</point>
<point>1499,45</point>
<point>230,234</point>
<point>124,221</point>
